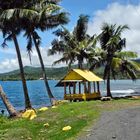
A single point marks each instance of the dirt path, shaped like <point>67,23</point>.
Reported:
<point>118,125</point>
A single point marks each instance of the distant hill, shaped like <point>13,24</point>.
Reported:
<point>137,60</point>
<point>33,73</point>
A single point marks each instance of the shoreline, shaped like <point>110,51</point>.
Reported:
<point>78,115</point>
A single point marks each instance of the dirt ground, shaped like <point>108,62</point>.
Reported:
<point>117,125</point>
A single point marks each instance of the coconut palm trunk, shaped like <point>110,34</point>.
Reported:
<point>108,86</point>
<point>107,72</point>
<point>80,61</point>
<point>11,110</point>
<point>80,64</point>
<point>27,100</point>
<point>51,97</point>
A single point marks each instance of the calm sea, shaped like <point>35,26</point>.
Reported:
<point>38,95</point>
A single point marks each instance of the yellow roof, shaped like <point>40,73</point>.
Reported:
<point>80,75</point>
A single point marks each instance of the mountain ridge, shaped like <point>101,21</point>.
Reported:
<point>34,73</point>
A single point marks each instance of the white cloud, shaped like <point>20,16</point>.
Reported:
<point>12,64</point>
<point>7,50</point>
<point>115,14</point>
<point>120,14</point>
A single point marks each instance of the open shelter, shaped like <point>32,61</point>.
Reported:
<point>80,85</point>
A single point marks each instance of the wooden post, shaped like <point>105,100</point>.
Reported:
<point>74,87</point>
<point>65,91</point>
<point>85,87</point>
<point>69,88</point>
<point>94,86</point>
<point>79,88</point>
<point>89,87</point>
<point>98,87</point>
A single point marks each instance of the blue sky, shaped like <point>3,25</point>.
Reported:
<point>98,11</point>
<point>75,8</point>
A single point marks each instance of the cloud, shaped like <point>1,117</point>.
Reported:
<point>120,14</point>
<point>12,64</point>
<point>115,13</point>
<point>7,50</point>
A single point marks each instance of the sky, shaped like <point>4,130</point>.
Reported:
<point>118,12</point>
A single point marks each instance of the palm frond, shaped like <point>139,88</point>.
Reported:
<point>37,38</point>
<point>29,47</point>
<point>52,21</point>
<point>8,38</point>
<point>81,27</point>
<point>116,63</point>
<point>126,55</point>
<point>130,68</point>
<point>120,29</point>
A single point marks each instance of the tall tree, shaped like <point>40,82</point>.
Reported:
<point>10,14</point>
<point>49,15</point>
<point>73,46</point>
<point>112,45</point>
<point>111,42</point>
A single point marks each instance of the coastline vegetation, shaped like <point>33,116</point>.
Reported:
<point>34,73</point>
<point>78,115</point>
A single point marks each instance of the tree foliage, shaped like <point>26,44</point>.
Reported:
<point>74,46</point>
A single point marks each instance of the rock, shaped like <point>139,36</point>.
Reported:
<point>106,98</point>
<point>113,137</point>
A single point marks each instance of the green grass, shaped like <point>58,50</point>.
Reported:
<point>79,116</point>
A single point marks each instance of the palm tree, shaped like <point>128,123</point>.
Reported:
<point>10,15</point>
<point>73,46</point>
<point>111,42</point>
<point>65,46</point>
<point>48,16</point>
<point>110,55</point>
<point>121,64</point>
<point>11,110</point>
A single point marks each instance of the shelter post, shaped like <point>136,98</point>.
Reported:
<point>79,88</point>
<point>69,88</point>
<point>89,87</point>
<point>74,88</point>
<point>65,91</point>
<point>85,87</point>
<point>94,86</point>
<point>98,87</point>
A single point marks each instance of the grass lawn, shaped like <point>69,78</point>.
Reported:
<point>79,116</point>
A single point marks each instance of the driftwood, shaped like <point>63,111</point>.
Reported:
<point>11,110</point>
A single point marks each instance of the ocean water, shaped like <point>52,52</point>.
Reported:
<point>39,97</point>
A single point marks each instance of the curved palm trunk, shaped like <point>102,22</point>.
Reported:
<point>27,100</point>
<point>11,110</point>
<point>51,97</point>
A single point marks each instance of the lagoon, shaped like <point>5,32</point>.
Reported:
<point>38,95</point>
